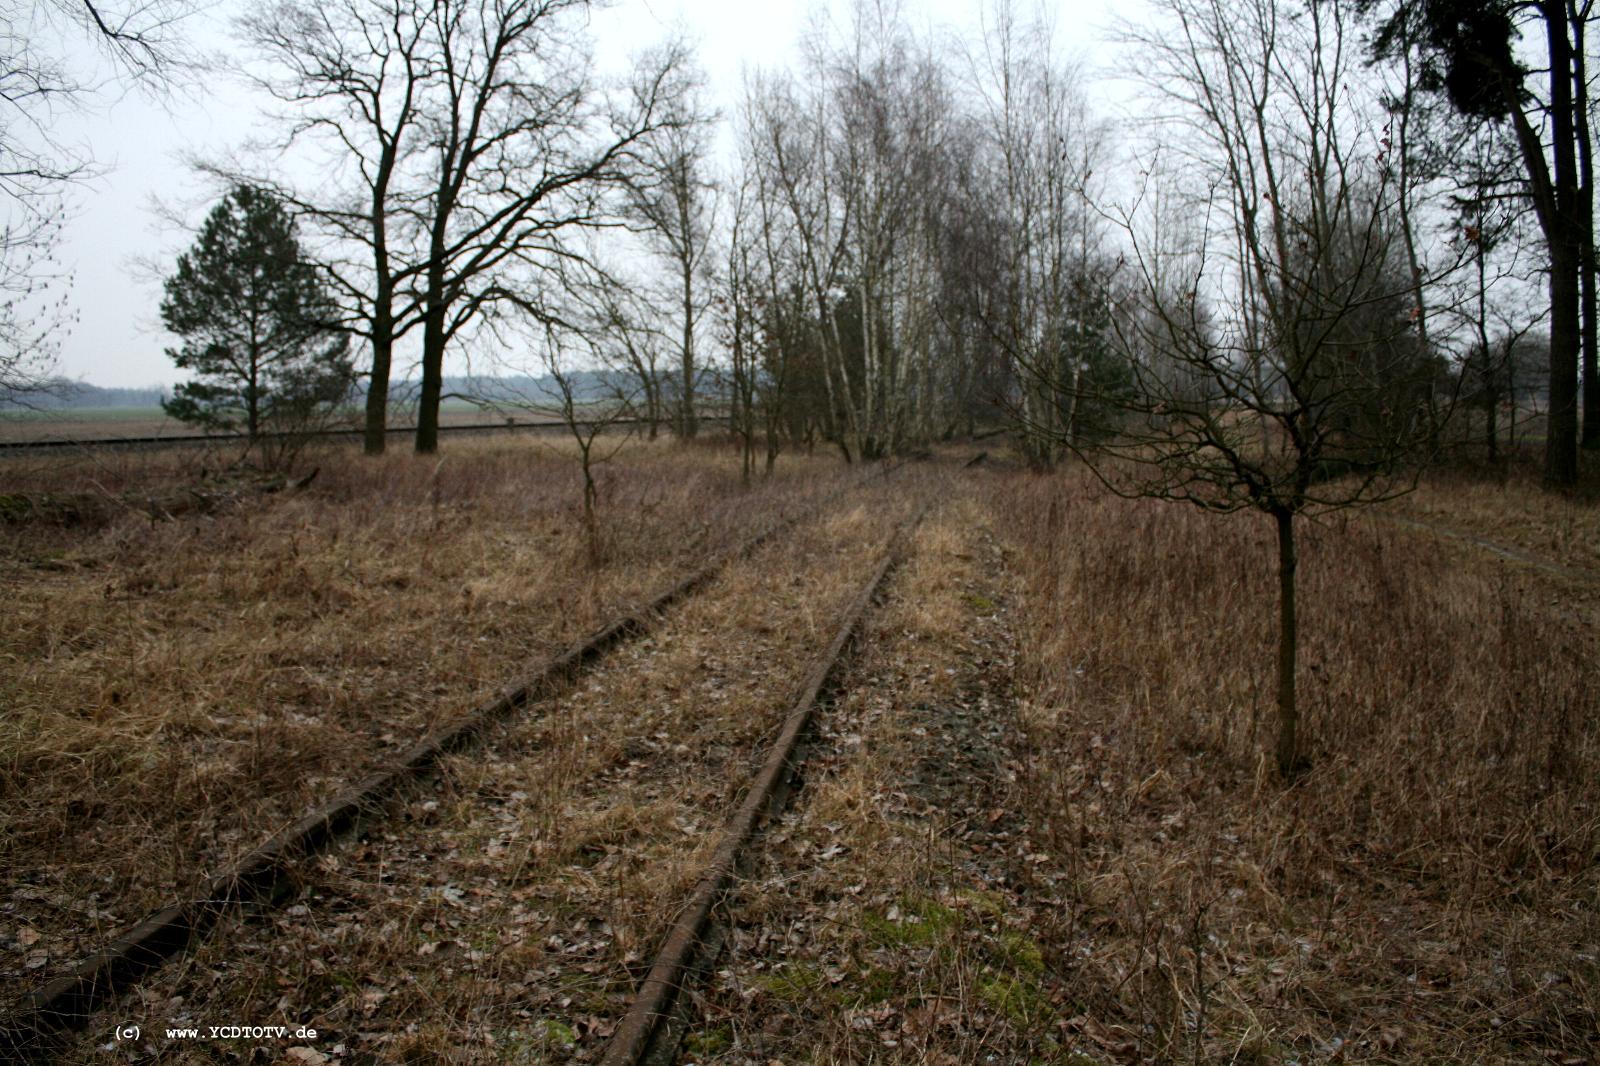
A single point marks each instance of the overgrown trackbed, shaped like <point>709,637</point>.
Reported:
<point>992,848</point>
<point>67,1000</point>
<point>647,753</point>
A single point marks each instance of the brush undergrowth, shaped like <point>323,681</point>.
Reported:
<point>1429,891</point>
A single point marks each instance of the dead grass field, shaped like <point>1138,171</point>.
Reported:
<point>175,691</point>
<point>1429,892</point>
<point>1508,508</point>
<point>511,909</point>
<point>1040,825</point>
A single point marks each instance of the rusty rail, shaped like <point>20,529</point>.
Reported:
<point>66,1003</point>
<point>646,1033</point>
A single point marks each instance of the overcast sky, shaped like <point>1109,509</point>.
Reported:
<point>140,144</point>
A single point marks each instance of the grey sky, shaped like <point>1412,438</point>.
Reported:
<point>140,143</point>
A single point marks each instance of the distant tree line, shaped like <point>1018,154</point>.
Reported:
<point>64,394</point>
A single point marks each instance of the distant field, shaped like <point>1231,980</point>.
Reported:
<point>90,423</point>
<point>102,423</point>
<point>87,414</point>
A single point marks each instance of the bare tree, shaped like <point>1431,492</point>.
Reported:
<point>629,343</point>
<point>854,156</point>
<point>32,316</point>
<point>574,316</point>
<point>352,76</point>
<point>771,280</point>
<point>1046,308</point>
<point>1274,360</point>
<point>138,44</point>
<point>463,143</point>
<point>670,198</point>
<point>590,427</point>
<point>1497,309</point>
<point>741,327</point>
<point>524,153</point>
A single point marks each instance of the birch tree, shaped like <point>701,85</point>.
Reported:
<point>673,201</point>
<point>1046,310</point>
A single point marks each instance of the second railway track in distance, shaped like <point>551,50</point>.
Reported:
<point>517,835</point>
<point>235,440</point>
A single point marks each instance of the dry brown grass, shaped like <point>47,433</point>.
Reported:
<point>1508,508</point>
<point>174,691</point>
<point>1427,893</point>
<point>1041,824</point>
<point>506,912</point>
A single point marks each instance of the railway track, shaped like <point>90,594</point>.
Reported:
<point>39,1028</point>
<point>654,1024</point>
<point>235,440</point>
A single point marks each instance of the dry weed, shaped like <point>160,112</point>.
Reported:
<point>1427,892</point>
<point>506,911</point>
<point>888,917</point>
<point>175,691</point>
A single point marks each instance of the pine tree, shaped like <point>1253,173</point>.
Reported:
<point>257,324</point>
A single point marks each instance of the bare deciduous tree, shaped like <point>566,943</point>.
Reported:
<point>672,201</point>
<point>352,76</point>
<point>575,319</point>
<point>1274,358</point>
<point>464,143</point>
<point>854,157</point>
<point>1045,307</point>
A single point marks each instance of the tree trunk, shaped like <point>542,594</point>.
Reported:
<point>1561,420</point>
<point>1591,386</point>
<point>687,426</point>
<point>1585,144</point>
<point>1562,223</point>
<point>252,394</point>
<point>376,438</point>
<point>433,339</point>
<point>432,382</point>
<point>770,421</point>
<point>1288,708</point>
<point>377,423</point>
<point>1491,409</point>
<point>591,520</point>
